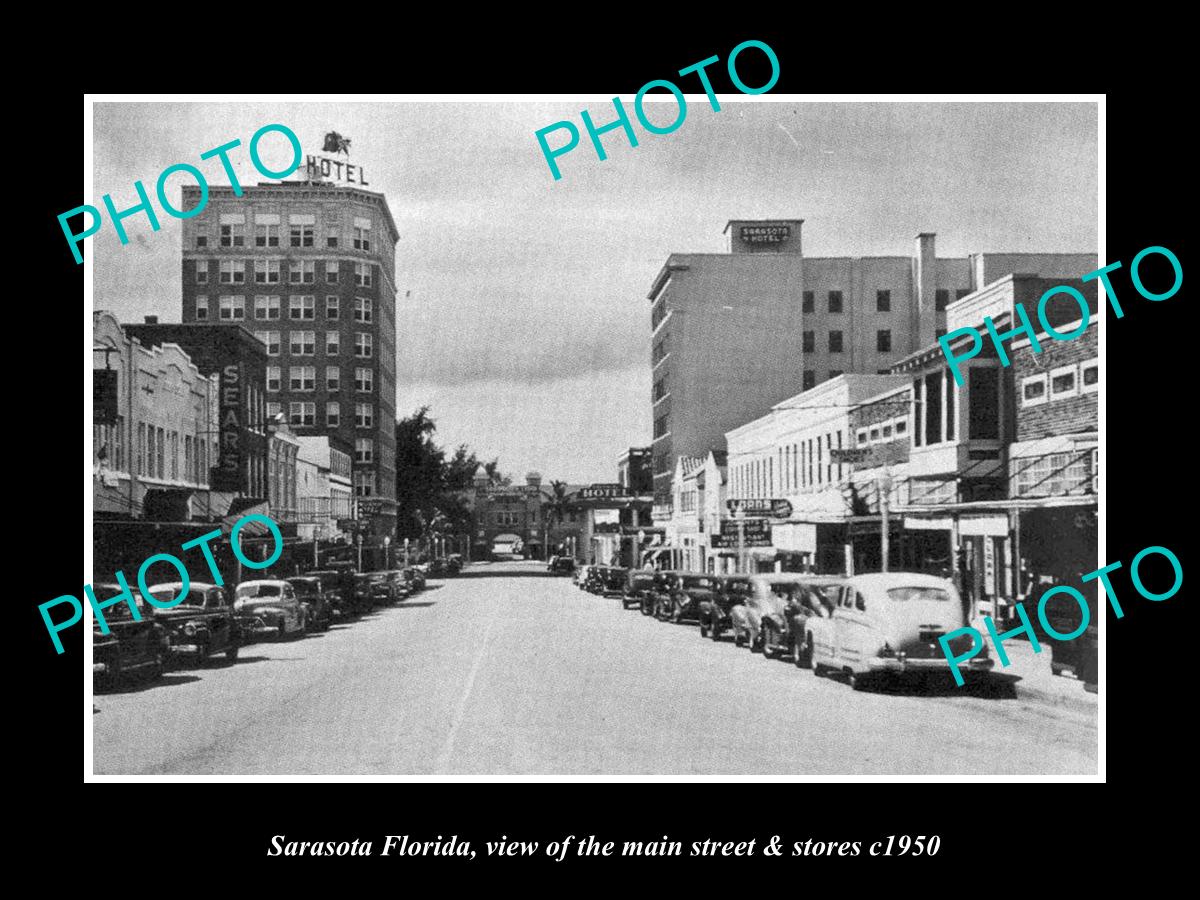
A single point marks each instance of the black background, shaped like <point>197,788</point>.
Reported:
<point>985,828</point>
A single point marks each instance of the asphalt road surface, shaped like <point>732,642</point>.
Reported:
<point>507,671</point>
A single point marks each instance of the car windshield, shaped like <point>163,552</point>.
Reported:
<point>258,590</point>
<point>919,594</point>
<point>165,593</point>
<point>738,587</point>
<point>699,582</point>
<point>105,592</point>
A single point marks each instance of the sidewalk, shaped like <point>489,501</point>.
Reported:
<point>1038,683</point>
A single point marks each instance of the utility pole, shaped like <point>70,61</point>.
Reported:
<point>740,516</point>
<point>885,489</point>
<point>360,551</point>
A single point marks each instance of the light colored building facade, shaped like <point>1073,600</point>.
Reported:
<point>733,334</point>
<point>309,267</point>
<point>698,506</point>
<point>324,488</point>
<point>794,453</point>
<point>163,441</point>
<point>282,474</point>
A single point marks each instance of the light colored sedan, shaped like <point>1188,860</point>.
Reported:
<point>269,607</point>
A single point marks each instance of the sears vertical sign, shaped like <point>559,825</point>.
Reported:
<point>229,475</point>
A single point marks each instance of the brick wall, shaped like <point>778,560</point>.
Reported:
<point>1069,415</point>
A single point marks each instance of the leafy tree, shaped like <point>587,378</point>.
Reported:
<point>430,485</point>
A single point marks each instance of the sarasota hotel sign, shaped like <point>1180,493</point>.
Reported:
<point>319,167</point>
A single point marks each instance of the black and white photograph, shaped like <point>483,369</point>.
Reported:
<point>515,437</point>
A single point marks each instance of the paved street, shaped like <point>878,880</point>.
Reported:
<point>504,670</point>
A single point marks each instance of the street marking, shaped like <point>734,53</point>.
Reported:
<point>444,757</point>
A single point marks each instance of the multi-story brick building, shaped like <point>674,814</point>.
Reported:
<point>735,333</point>
<point>309,267</point>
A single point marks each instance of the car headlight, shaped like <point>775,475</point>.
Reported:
<point>190,629</point>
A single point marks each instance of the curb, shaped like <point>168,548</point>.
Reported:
<point>1076,697</point>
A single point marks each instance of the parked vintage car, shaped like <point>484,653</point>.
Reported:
<point>338,585</point>
<point>637,583</point>
<point>201,625</point>
<point>613,585</point>
<point>269,607</point>
<point>684,595</point>
<point>318,611</point>
<point>401,586</point>
<point>561,565</point>
<point>817,597</point>
<point>594,584</point>
<point>1079,656</point>
<point>713,611</point>
<point>416,577</point>
<point>890,623</point>
<point>454,563</point>
<point>132,645</point>
<point>768,598</point>
<point>652,598</point>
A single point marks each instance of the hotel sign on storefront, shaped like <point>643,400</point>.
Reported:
<point>604,492</point>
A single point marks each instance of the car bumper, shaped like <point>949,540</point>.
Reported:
<point>905,664</point>
<point>258,627</point>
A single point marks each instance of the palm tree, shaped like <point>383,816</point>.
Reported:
<point>554,509</point>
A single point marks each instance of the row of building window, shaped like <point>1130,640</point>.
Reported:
<point>882,432</point>
<point>300,233</point>
<point>883,341</point>
<point>303,378</point>
<point>364,413</point>
<point>883,300</point>
<point>300,307</point>
<point>269,271</point>
<point>232,307</point>
<point>303,343</point>
<point>791,468</point>
<point>158,453</point>
<point>1058,474</point>
<point>1060,383</point>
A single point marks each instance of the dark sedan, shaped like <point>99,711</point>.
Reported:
<point>131,645</point>
<point>683,598</point>
<point>638,582</point>
<point>203,624</point>
<point>311,594</point>
<point>713,611</point>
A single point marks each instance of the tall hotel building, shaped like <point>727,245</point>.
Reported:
<point>736,333</point>
<point>309,267</point>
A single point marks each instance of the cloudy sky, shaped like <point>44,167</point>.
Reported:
<point>527,330</point>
